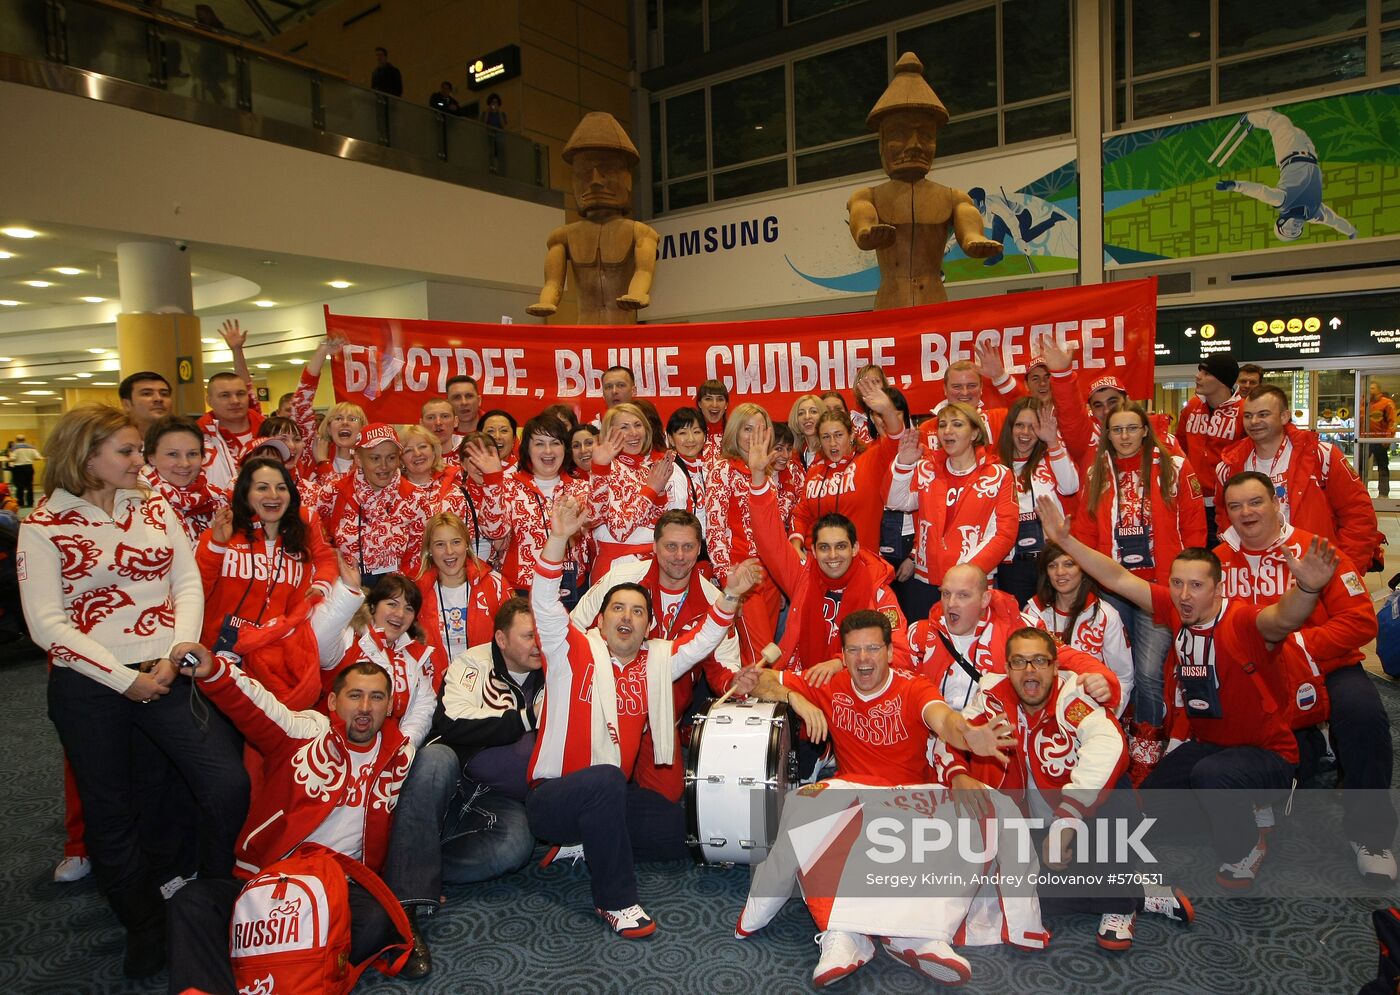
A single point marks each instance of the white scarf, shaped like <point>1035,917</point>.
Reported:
<point>661,705</point>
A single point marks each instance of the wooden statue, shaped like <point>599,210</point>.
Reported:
<point>613,257</point>
<point>906,219</point>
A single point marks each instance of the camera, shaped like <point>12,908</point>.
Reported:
<point>188,661</point>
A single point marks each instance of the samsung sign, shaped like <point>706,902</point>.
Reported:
<point>719,238</point>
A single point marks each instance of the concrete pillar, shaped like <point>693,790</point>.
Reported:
<point>157,329</point>
<point>1093,50</point>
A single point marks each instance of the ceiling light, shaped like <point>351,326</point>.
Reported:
<point>9,303</point>
<point>264,304</point>
<point>97,352</point>
<point>35,383</point>
<point>38,283</point>
<point>11,404</point>
<point>84,376</point>
<point>67,378</point>
<point>263,366</point>
<point>4,398</point>
<point>104,383</point>
<point>210,341</point>
<point>19,232</point>
<point>67,270</point>
<point>5,359</point>
<point>6,255</point>
<point>269,262</point>
<point>94,300</point>
<point>40,393</point>
<point>296,362</point>
<point>340,284</point>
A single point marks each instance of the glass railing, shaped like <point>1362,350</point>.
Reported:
<point>206,70</point>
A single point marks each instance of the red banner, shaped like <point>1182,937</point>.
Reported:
<point>391,366</point>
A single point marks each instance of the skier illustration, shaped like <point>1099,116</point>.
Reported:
<point>1033,224</point>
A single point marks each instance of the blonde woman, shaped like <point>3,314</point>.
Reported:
<point>802,419</point>
<point>631,483</point>
<point>459,589</point>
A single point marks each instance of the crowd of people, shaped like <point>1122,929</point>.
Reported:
<point>432,647</point>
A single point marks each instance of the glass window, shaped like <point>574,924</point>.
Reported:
<point>733,21</point>
<point>1390,10</point>
<point>685,134</point>
<point>1293,70</point>
<point>1390,50</point>
<point>1035,48</point>
<point>1247,25</point>
<point>1040,121</point>
<point>800,10</point>
<point>960,58</point>
<point>656,160</point>
<point>1167,35</point>
<point>1120,105</point>
<point>688,193</point>
<point>748,117</point>
<point>657,205</point>
<point>832,93</point>
<point>683,29</point>
<point>844,160</point>
<point>968,135</point>
<point>1175,93</point>
<point>1120,40</point>
<point>751,179</point>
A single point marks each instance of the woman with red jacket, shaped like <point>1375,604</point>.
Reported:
<point>1031,448</point>
<point>460,593</point>
<point>965,504</point>
<point>630,485</point>
<point>845,481</point>
<point>1141,506</point>
<point>521,502</point>
<point>264,563</point>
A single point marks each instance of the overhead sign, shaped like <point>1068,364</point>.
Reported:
<point>493,67</point>
<point>1278,331</point>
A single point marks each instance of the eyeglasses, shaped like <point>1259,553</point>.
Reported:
<point>1022,662</point>
<point>1126,430</point>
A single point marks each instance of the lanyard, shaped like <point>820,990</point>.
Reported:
<point>278,556</point>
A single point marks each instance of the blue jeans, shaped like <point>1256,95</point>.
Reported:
<point>1150,646</point>
<point>448,829</point>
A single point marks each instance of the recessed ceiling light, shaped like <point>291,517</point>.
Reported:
<point>35,383</point>
<point>6,255</point>
<point>67,378</point>
<point>67,270</point>
<point>5,359</point>
<point>38,283</point>
<point>340,284</point>
<point>296,362</point>
<point>11,404</point>
<point>263,366</point>
<point>9,303</point>
<point>40,393</point>
<point>269,262</point>
<point>94,300</point>
<point>264,304</point>
<point>210,341</point>
<point>97,352</point>
<point>19,232</point>
<point>4,398</point>
<point>104,383</point>
<point>84,376</point>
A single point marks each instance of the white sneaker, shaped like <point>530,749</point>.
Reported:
<point>758,912</point>
<point>72,869</point>
<point>842,954</point>
<point>1116,930</point>
<point>1241,874</point>
<point>1377,862</point>
<point>631,923</point>
<point>1264,819</point>
<point>1160,900</point>
<point>933,959</point>
<point>562,854</point>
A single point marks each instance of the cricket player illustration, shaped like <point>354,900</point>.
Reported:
<point>1298,195</point>
<point>1034,225</point>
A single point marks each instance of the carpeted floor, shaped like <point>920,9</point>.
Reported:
<point>534,932</point>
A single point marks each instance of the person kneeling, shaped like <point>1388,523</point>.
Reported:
<point>1069,763</point>
<point>461,815</point>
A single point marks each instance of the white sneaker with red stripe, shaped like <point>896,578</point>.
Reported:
<point>631,923</point>
<point>562,854</point>
<point>758,912</point>
<point>1116,930</point>
<point>842,954</point>
<point>1160,900</point>
<point>1240,875</point>
<point>72,869</point>
<point>934,959</point>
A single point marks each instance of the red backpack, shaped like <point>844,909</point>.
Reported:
<point>291,925</point>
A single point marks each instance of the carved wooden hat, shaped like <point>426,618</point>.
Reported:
<point>599,131</point>
<point>908,91</point>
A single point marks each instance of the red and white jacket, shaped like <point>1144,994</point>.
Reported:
<point>595,708</point>
<point>247,579</point>
<point>993,418</point>
<point>1054,477</point>
<point>728,525</point>
<point>693,479</point>
<point>1317,489</point>
<point>961,518</point>
<point>103,592</point>
<point>308,769</point>
<point>1070,751</point>
<point>1098,630</point>
<point>223,451</point>
<point>624,507</point>
<point>486,593</point>
<point>986,650</point>
<point>304,414</point>
<point>521,517</point>
<point>855,487</point>
<point>379,528</point>
<point>1205,433</point>
<point>196,504</point>
<point>1174,526</point>
<point>467,499</point>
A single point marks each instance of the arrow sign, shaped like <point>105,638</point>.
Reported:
<point>1335,322</point>
<point>1190,331</point>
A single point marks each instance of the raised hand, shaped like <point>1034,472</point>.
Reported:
<point>233,334</point>
<point>873,394</point>
<point>1315,567</point>
<point>607,446</point>
<point>995,739</point>
<point>1052,519</point>
<point>484,456</point>
<point>349,571</point>
<point>1047,427</point>
<point>989,361</point>
<point>659,476</point>
<point>760,456</point>
<point>744,578</point>
<point>1096,686</point>
<point>1056,356</point>
<point>221,527</point>
<point>566,519</point>
<point>908,453</point>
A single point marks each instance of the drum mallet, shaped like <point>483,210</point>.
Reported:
<point>766,658</point>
